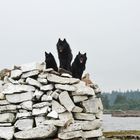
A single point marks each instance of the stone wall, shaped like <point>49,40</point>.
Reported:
<point>38,103</point>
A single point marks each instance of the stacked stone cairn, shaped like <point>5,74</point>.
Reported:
<point>39,103</point>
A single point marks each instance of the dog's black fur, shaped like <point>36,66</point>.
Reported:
<point>79,65</point>
<point>50,61</point>
<point>64,54</point>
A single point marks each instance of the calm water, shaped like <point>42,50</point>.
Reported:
<point>119,123</point>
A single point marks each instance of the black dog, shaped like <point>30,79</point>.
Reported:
<point>78,66</point>
<point>50,61</point>
<point>64,54</point>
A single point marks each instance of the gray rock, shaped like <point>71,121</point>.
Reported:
<point>39,111</point>
<point>23,115</point>
<point>7,133</point>
<point>84,116</point>
<point>99,115</point>
<point>5,124</point>
<point>59,123</point>
<point>92,133</point>
<point>39,120</point>
<point>66,116</point>
<point>42,81</point>
<point>66,101</point>
<point>61,80</point>
<point>90,125</point>
<point>77,109</point>
<point>27,105</point>
<point>46,98</point>
<point>83,125</point>
<point>53,114</point>
<point>32,66</point>
<point>2,97</point>
<point>10,88</point>
<point>37,133</point>
<point>47,87</point>
<point>15,74</point>
<point>55,95</point>
<point>43,75</point>
<point>77,99</point>
<point>24,124</point>
<point>70,135</point>
<point>19,97</point>
<point>37,94</point>
<point>33,82</point>
<point>42,104</point>
<point>30,74</point>
<point>7,118</point>
<point>4,102</point>
<point>10,80</point>
<point>65,87</point>
<point>57,107</point>
<point>82,89</point>
<point>92,106</point>
<point>48,70</point>
<point>8,108</point>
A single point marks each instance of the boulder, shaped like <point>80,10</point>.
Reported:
<point>37,133</point>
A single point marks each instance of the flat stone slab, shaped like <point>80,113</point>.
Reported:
<point>77,109</point>
<point>15,74</point>
<point>6,108</point>
<point>82,89</point>
<point>55,95</point>
<point>4,102</point>
<point>53,114</point>
<point>92,133</point>
<point>65,87</point>
<point>2,97</point>
<point>19,97</point>
<point>37,133</point>
<point>61,80</point>
<point>66,116</point>
<point>92,105</point>
<point>37,94</point>
<point>30,74</point>
<point>24,124</point>
<point>47,87</point>
<point>83,125</point>
<point>79,98</point>
<point>33,82</point>
<point>5,124</point>
<point>23,115</point>
<point>46,98</point>
<point>57,107</point>
<point>66,75</point>
<point>59,123</point>
<point>10,88</point>
<point>7,133</point>
<point>42,104</point>
<point>27,105</point>
<point>7,118</point>
<point>39,111</point>
<point>70,135</point>
<point>66,101</point>
<point>84,116</point>
<point>42,81</point>
<point>39,120</point>
<point>32,66</point>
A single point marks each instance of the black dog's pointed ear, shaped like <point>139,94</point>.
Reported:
<point>85,54</point>
<point>64,40</point>
<point>46,53</point>
<point>79,53</point>
<point>59,40</point>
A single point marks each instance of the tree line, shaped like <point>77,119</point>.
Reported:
<point>118,100</point>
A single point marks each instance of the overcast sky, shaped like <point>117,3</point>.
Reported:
<point>108,30</point>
